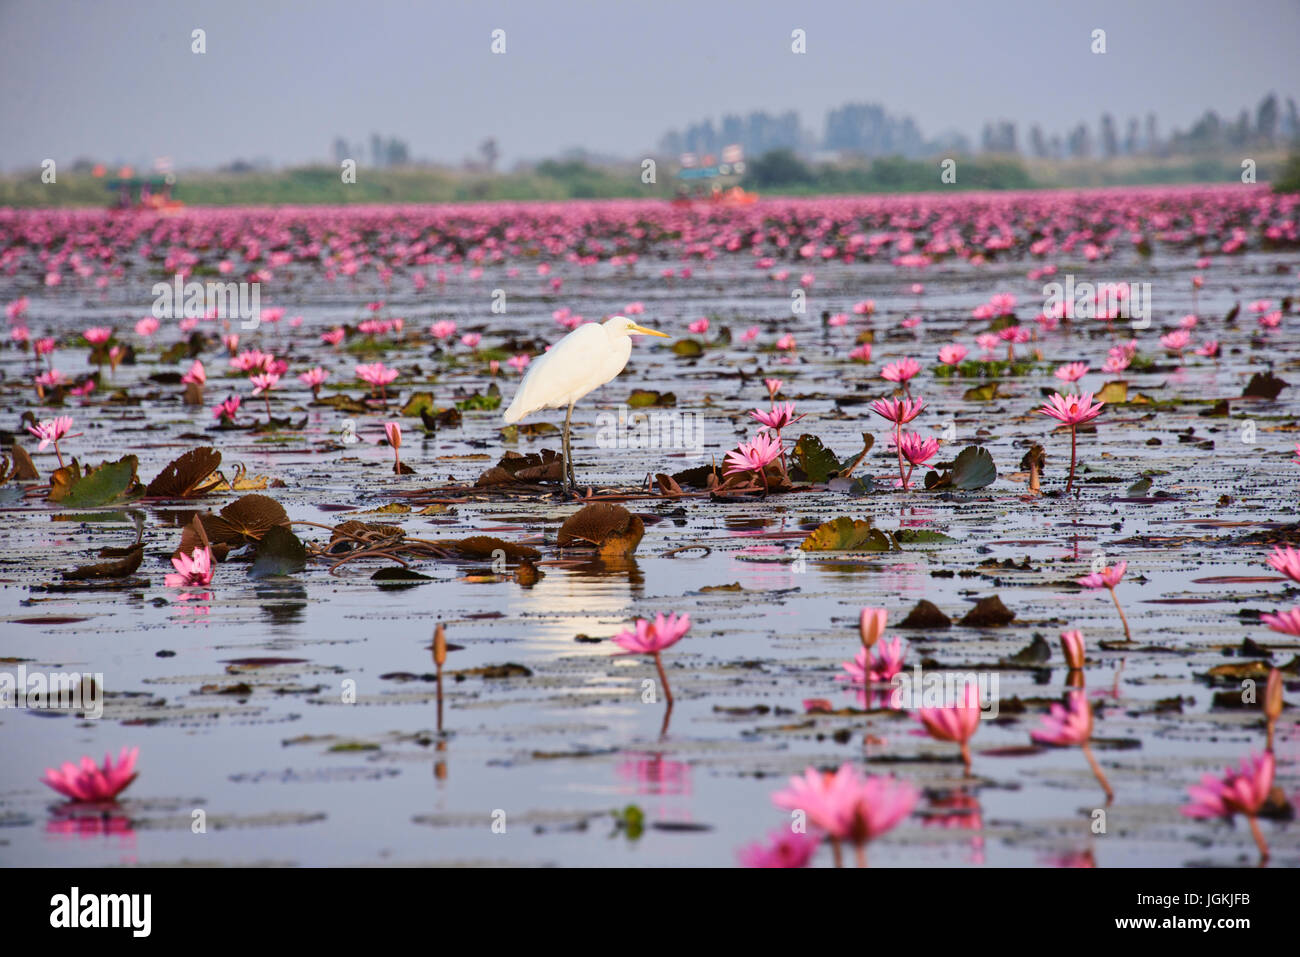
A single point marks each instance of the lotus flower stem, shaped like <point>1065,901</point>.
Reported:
<point>836,853</point>
<point>965,756</point>
<point>899,446</point>
<point>1259,837</point>
<point>663,679</point>
<point>1096,769</point>
<point>1074,440</point>
<point>1128,636</point>
<point>861,852</point>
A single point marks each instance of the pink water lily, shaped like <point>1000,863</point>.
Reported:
<point>1244,790</point>
<point>754,456</point>
<point>1073,411</point>
<point>652,637</point>
<point>783,849</point>
<point>50,431</point>
<point>378,376</point>
<point>847,806</point>
<point>86,783</point>
<point>1286,560</point>
<point>957,723</point>
<point>1072,725</point>
<point>1108,576</point>
<point>193,570</point>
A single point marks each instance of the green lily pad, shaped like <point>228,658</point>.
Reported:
<point>111,483</point>
<point>973,468</point>
<point>279,553</point>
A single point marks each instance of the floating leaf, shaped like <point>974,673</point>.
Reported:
<point>278,553</point>
<point>418,404</point>
<point>544,466</point>
<point>121,568</point>
<point>24,467</point>
<point>1263,385</point>
<point>921,536</point>
<point>844,533</point>
<point>611,528</point>
<point>641,398</point>
<point>190,474</point>
<point>486,547</point>
<point>981,393</point>
<point>1116,391</point>
<point>988,613</point>
<point>688,347</point>
<point>245,520</point>
<point>973,468</point>
<point>111,482</point>
<point>814,461</point>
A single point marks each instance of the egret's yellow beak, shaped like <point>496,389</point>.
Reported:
<point>648,332</point>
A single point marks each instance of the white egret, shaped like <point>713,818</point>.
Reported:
<point>585,359</point>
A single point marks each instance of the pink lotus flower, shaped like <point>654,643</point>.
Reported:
<point>785,343</point>
<point>443,329</point>
<point>952,355</point>
<point>90,784</point>
<point>862,353</point>
<point>898,411</point>
<point>97,335</point>
<point>750,334</point>
<point>651,638</point>
<point>847,806</point>
<point>50,431</point>
<point>1073,726</point>
<point>957,723</point>
<point>1108,577</point>
<point>781,416</point>
<point>1072,371</point>
<point>1209,350</point>
<point>838,320</point>
<point>699,326</point>
<point>313,379</point>
<point>774,386</point>
<point>226,410</point>
<point>519,362</point>
<point>871,625</point>
<point>251,360</point>
<point>333,337</point>
<point>196,374</point>
<point>1176,341</point>
<point>1073,648</point>
<point>264,382</point>
<point>900,371</point>
<point>875,666</point>
<point>192,570</point>
<point>393,432</point>
<point>146,327</point>
<point>865,308</point>
<point>377,375</point>
<point>753,456</point>
<point>1073,411</point>
<point>917,450</point>
<point>1286,622</point>
<point>44,346</point>
<point>471,340</point>
<point>1243,791</point>
<point>1286,560</point>
<point>783,849</point>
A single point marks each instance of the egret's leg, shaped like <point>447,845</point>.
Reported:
<point>569,480</point>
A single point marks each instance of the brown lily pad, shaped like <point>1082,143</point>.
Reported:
<point>190,474</point>
<point>121,568</point>
<point>988,613</point>
<point>610,528</point>
<point>925,615</point>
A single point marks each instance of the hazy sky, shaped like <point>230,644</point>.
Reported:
<point>115,79</point>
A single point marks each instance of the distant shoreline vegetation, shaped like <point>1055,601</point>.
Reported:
<point>776,173</point>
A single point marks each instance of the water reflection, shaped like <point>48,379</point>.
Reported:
<point>282,602</point>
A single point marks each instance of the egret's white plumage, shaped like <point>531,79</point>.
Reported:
<point>585,359</point>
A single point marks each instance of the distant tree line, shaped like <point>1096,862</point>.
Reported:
<point>868,129</point>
